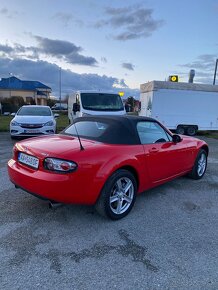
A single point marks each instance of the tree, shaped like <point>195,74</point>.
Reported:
<point>12,104</point>
<point>51,102</point>
<point>17,101</point>
<point>130,104</point>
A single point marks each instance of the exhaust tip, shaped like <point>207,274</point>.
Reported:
<point>54,205</point>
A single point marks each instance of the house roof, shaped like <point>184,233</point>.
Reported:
<point>17,84</point>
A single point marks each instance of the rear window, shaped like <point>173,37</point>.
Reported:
<point>88,129</point>
<point>105,131</point>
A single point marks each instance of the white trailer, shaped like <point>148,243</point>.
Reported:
<point>184,107</point>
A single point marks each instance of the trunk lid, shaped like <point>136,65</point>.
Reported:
<point>60,146</point>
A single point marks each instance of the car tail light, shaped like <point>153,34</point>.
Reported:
<point>59,165</point>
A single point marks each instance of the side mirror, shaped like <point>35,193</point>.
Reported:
<point>76,107</point>
<point>176,138</point>
<point>56,115</point>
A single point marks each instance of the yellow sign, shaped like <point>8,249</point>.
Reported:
<point>121,94</point>
<point>173,78</point>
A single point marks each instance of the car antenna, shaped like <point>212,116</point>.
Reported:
<point>80,143</point>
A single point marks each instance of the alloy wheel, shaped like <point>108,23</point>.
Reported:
<point>122,195</point>
<point>202,163</point>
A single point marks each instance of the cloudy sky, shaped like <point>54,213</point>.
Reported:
<point>107,45</point>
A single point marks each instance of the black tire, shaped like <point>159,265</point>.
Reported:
<point>115,203</point>
<point>200,165</point>
<point>191,130</point>
<point>180,130</point>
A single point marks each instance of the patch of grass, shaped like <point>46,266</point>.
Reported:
<point>4,123</point>
<point>209,134</point>
<point>62,122</point>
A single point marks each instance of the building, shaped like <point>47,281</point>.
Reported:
<point>31,91</point>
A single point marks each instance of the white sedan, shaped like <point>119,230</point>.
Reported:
<point>33,120</point>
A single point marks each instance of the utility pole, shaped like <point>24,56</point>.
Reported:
<point>60,85</point>
<point>214,79</point>
<point>9,80</point>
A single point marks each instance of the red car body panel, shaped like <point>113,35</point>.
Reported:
<point>152,165</point>
<point>82,186</point>
<point>169,159</point>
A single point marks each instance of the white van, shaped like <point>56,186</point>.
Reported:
<point>59,107</point>
<point>84,103</point>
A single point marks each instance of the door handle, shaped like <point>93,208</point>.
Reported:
<point>154,150</point>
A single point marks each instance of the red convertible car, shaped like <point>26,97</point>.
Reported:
<point>106,161</point>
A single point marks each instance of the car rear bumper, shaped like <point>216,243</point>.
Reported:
<point>63,188</point>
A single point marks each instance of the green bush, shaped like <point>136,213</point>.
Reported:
<point>12,104</point>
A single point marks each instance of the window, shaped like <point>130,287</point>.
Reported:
<point>103,129</point>
<point>87,129</point>
<point>34,111</point>
<point>151,132</point>
<point>101,102</point>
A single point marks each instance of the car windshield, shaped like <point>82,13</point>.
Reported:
<point>34,111</point>
<point>101,102</point>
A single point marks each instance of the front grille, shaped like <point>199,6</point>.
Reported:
<point>31,134</point>
<point>31,126</point>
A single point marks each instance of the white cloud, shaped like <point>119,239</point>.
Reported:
<point>130,22</point>
<point>48,74</point>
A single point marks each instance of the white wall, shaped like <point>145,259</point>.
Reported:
<point>173,107</point>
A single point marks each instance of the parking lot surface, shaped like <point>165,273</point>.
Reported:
<point>168,241</point>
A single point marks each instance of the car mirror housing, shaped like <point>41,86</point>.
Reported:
<point>76,107</point>
<point>176,138</point>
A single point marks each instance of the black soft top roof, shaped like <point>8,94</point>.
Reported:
<point>121,129</point>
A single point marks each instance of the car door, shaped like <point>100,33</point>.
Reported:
<point>163,158</point>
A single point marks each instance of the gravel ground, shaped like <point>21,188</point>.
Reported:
<point>168,241</point>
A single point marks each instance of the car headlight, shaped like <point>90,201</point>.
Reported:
<point>50,123</point>
<point>59,165</point>
<point>14,123</point>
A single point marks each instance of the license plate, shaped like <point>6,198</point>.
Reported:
<point>28,160</point>
<point>31,131</point>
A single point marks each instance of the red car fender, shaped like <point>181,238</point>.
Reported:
<point>197,145</point>
<point>117,162</point>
